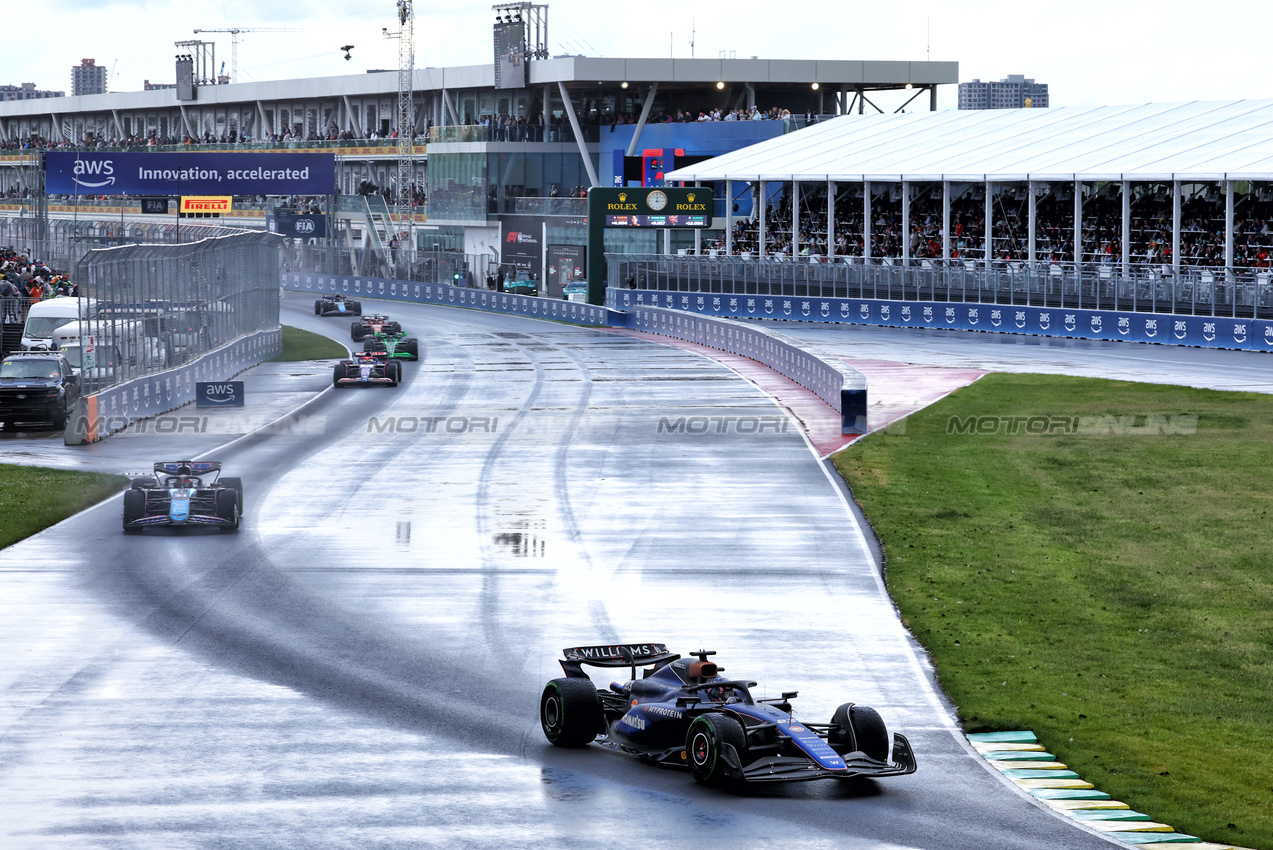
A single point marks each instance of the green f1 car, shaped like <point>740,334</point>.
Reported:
<point>387,346</point>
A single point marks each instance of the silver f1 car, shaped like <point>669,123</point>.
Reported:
<point>179,494</point>
<point>682,712</point>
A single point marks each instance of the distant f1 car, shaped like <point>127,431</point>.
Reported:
<point>337,305</point>
<point>178,494</point>
<point>389,346</point>
<point>365,370</point>
<point>682,712</point>
<point>373,324</point>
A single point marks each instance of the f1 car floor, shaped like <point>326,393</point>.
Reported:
<point>362,664</point>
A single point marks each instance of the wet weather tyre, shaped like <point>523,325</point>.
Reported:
<point>228,508</point>
<point>145,481</point>
<point>356,332</point>
<point>412,347</point>
<point>397,371</point>
<point>570,712</point>
<point>354,307</point>
<point>318,308</point>
<point>134,509</point>
<point>235,484</point>
<point>870,732</point>
<point>338,372</point>
<point>705,749</point>
<point>393,329</point>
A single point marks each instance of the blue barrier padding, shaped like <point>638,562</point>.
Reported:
<point>1202,331</point>
<point>573,312</point>
<point>121,405</point>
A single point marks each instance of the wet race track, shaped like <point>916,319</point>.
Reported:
<point>360,666</point>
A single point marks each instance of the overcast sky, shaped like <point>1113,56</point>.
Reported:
<point>1088,51</point>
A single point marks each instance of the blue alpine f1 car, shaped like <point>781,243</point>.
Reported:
<point>337,305</point>
<point>683,712</point>
<point>178,494</point>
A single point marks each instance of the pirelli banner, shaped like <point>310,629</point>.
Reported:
<point>214,173</point>
<point>207,204</point>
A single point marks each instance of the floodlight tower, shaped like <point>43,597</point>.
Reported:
<point>406,117</point>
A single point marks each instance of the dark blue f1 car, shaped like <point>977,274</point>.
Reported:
<point>682,712</point>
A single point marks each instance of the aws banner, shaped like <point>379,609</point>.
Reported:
<point>213,173</point>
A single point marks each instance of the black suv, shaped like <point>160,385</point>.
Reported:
<point>37,387</point>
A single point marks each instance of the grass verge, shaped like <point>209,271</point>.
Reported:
<point>1107,584</point>
<point>305,345</point>
<point>32,498</point>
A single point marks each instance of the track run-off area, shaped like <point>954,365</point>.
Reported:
<point>360,666</point>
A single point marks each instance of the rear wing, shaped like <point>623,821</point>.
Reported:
<point>615,655</point>
<point>187,467</point>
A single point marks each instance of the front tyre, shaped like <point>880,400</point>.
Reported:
<point>134,509</point>
<point>570,712</point>
<point>227,501</point>
<point>857,727</point>
<point>706,749</point>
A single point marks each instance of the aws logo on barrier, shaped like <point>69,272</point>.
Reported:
<point>102,170</point>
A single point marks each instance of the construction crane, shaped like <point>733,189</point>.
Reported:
<point>406,120</point>
<point>234,41</point>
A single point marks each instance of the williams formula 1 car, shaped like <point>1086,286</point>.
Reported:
<point>177,494</point>
<point>373,324</point>
<point>682,712</point>
<point>366,370</point>
<point>337,305</point>
<point>387,346</point>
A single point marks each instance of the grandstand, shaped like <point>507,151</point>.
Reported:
<point>1166,185</point>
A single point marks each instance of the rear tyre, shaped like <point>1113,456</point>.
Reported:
<point>354,307</point>
<point>570,712</point>
<point>134,508</point>
<point>857,727</point>
<point>356,332</point>
<point>705,749</point>
<point>144,482</point>
<point>394,328</point>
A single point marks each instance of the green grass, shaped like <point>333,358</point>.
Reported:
<point>32,498</point>
<point>1113,593</point>
<point>304,345</point>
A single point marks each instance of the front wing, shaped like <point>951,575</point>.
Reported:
<point>799,769</point>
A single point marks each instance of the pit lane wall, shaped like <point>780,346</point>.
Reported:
<point>101,414</point>
<point>835,382</point>
<point>572,312</point>
<point>1201,331</point>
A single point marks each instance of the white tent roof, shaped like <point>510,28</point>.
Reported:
<point>1203,141</point>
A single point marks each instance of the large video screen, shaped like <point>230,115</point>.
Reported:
<point>510,56</point>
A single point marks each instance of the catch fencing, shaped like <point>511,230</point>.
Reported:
<point>156,318</point>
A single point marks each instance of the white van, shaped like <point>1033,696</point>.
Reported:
<point>46,316</point>
<point>132,351</point>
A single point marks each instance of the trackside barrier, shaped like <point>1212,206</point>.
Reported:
<point>1200,331</point>
<point>102,414</point>
<point>836,383</point>
<point>572,312</point>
